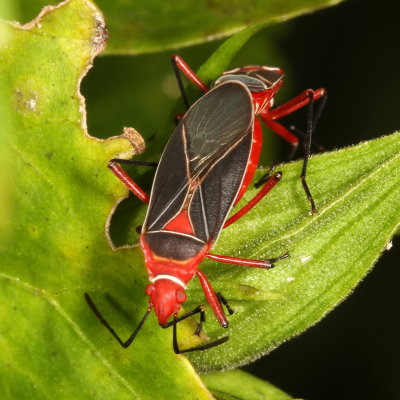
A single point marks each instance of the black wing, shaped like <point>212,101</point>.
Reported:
<point>204,162</point>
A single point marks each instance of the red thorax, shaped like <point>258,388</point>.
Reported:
<point>169,278</point>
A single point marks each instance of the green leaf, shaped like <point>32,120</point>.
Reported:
<point>6,9</point>
<point>357,191</point>
<point>147,26</point>
<point>54,248</point>
<point>238,385</point>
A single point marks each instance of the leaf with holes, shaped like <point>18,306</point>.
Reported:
<point>54,248</point>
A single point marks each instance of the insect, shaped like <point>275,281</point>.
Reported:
<point>206,167</point>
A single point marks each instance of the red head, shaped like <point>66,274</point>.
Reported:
<point>166,297</point>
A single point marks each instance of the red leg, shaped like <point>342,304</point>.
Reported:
<point>269,184</point>
<point>128,182</point>
<point>269,117</point>
<point>212,299</point>
<point>283,132</point>
<point>292,105</point>
<point>178,62</point>
<point>245,262</point>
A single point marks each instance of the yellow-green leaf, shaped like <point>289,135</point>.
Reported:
<point>54,248</point>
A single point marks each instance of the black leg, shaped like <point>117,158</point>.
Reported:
<point>266,176</point>
<point>223,301</point>
<point>302,135</point>
<point>206,346</point>
<point>317,115</point>
<point>312,120</point>
<point>315,119</point>
<point>313,115</point>
<point>293,150</point>
<point>200,310</point>
<point>201,322</point>
<point>307,150</point>
<point>197,310</point>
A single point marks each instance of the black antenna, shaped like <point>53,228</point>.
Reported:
<point>180,84</point>
<point>97,313</point>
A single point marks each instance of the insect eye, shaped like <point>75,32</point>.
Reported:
<point>149,289</point>
<point>180,296</point>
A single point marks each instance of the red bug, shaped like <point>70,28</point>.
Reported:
<point>206,167</point>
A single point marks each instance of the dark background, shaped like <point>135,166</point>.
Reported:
<point>353,51</point>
